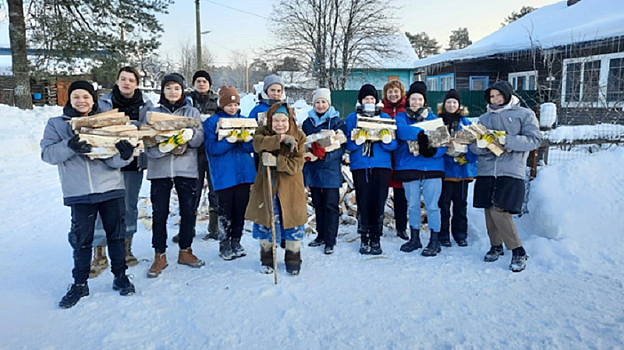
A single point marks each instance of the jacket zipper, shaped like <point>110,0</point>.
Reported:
<point>89,175</point>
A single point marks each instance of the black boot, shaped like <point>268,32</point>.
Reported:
<point>292,260</point>
<point>414,242</point>
<point>433,248</point>
<point>375,247</point>
<point>75,292</point>
<point>237,248</point>
<point>519,258</point>
<point>122,284</point>
<point>317,242</point>
<point>403,235</point>
<point>225,250</point>
<point>365,248</point>
<point>494,252</point>
<point>445,239</point>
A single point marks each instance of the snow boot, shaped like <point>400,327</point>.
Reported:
<point>519,258</point>
<point>433,248</point>
<point>494,252</point>
<point>365,248</point>
<point>414,242</point>
<point>99,263</point>
<point>225,250</point>
<point>74,293</point>
<point>131,260</point>
<point>462,242</point>
<point>317,242</point>
<point>403,235</point>
<point>375,247</point>
<point>186,257</point>
<point>292,258</point>
<point>266,256</point>
<point>122,284</point>
<point>159,264</point>
<point>445,239</point>
<point>329,250</point>
<point>237,248</point>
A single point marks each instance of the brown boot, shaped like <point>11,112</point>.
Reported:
<point>131,260</point>
<point>186,257</point>
<point>266,256</point>
<point>99,263</point>
<point>159,264</point>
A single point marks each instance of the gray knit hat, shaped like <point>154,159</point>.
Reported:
<point>272,79</point>
<point>322,93</point>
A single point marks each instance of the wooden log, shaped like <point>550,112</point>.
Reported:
<point>479,129</point>
<point>373,134</point>
<point>111,130</point>
<point>465,137</point>
<point>455,148</point>
<point>237,123</point>
<point>163,121</point>
<point>107,141</point>
<point>375,123</point>
<point>99,120</point>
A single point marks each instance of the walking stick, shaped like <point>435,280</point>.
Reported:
<point>270,202</point>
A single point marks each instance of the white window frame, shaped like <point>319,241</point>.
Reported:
<point>435,81</point>
<point>603,81</point>
<point>447,88</point>
<point>526,75</point>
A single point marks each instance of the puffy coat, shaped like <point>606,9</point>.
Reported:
<point>404,159</point>
<point>382,153</point>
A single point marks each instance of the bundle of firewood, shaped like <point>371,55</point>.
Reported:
<point>435,130</point>
<point>328,139</point>
<point>373,129</point>
<point>236,129</point>
<point>161,127</point>
<point>104,130</point>
<point>476,132</point>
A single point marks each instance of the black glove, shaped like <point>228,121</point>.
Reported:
<point>78,146</point>
<point>423,146</point>
<point>125,149</point>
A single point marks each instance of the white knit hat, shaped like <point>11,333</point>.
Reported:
<point>322,93</point>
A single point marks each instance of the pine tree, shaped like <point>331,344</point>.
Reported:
<point>423,45</point>
<point>459,39</point>
<point>525,10</point>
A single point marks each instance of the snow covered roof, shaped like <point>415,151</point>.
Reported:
<point>403,58</point>
<point>547,27</point>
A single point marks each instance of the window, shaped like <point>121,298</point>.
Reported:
<point>615,83</point>
<point>393,77</point>
<point>446,83</point>
<point>596,81</point>
<point>432,84</point>
<point>441,82</point>
<point>523,80</point>
<point>573,82</point>
<point>479,83</point>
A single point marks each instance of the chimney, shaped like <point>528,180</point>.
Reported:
<point>572,2</point>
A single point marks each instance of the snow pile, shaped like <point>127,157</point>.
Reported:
<point>301,110</point>
<point>22,130</point>
<point>248,102</point>
<point>586,132</point>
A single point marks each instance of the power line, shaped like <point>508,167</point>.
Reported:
<point>239,10</point>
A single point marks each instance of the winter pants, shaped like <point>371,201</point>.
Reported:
<point>160,194</point>
<point>501,228</point>
<point>325,201</point>
<point>233,202</point>
<point>287,234</point>
<point>81,236</point>
<point>204,172</point>
<point>431,190</point>
<point>371,193</point>
<point>400,209</point>
<point>132,183</point>
<point>455,192</point>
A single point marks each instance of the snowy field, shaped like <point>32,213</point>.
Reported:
<point>570,297</point>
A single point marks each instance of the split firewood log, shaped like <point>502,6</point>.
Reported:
<point>236,129</point>
<point>99,120</point>
<point>164,121</point>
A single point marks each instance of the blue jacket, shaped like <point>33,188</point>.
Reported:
<point>403,158</point>
<point>261,107</point>
<point>382,153</point>
<point>327,173</point>
<point>231,164</point>
<point>453,170</point>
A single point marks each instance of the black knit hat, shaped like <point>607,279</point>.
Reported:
<point>82,85</point>
<point>202,74</point>
<point>416,87</point>
<point>367,90</point>
<point>504,87</point>
<point>175,77</point>
<point>452,93</point>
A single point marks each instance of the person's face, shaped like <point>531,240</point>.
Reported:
<point>321,105</point>
<point>416,100</point>
<point>451,105</point>
<point>496,98</point>
<point>82,101</point>
<point>127,83</point>
<point>231,108</point>
<point>274,92</point>
<point>202,85</point>
<point>369,100</point>
<point>173,92</point>
<point>279,123</point>
<point>394,94</point>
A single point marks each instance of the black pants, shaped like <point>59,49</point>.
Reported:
<point>400,209</point>
<point>371,193</point>
<point>232,204</point>
<point>81,235</point>
<point>325,201</point>
<point>204,173</point>
<point>160,193</point>
<point>457,194</point>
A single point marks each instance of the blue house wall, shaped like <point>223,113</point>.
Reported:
<point>378,78</point>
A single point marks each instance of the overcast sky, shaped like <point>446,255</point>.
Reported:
<point>232,30</point>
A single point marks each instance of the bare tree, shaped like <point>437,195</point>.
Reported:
<point>187,59</point>
<point>21,69</point>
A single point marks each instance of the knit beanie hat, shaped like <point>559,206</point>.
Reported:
<point>322,93</point>
<point>227,95</point>
<point>82,85</point>
<point>367,90</point>
<point>281,110</point>
<point>202,74</point>
<point>452,93</point>
<point>416,87</point>
<point>272,79</point>
<point>174,77</point>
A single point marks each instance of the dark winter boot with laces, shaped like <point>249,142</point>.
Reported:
<point>403,235</point>
<point>445,239</point>
<point>237,248</point>
<point>519,258</point>
<point>364,240</point>
<point>74,293</point>
<point>375,247</point>
<point>122,284</point>
<point>433,248</point>
<point>414,242</point>
<point>225,250</point>
<point>317,242</point>
<point>494,252</point>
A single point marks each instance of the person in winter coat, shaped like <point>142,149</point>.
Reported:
<point>370,166</point>
<point>499,188</point>
<point>90,187</point>
<point>165,170</point>
<point>232,173</point>
<point>272,93</point>
<point>421,173</point>
<point>460,170</point>
<point>324,176</point>
<point>127,98</point>
<point>285,144</point>
<point>394,103</point>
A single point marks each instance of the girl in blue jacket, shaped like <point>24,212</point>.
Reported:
<point>323,176</point>
<point>370,166</point>
<point>423,172</point>
<point>232,172</point>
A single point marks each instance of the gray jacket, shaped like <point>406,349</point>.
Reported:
<point>166,165</point>
<point>80,176</point>
<point>523,136</point>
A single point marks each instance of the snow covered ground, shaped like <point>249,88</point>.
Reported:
<point>570,296</point>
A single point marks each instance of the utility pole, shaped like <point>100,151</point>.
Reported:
<point>247,76</point>
<point>198,33</point>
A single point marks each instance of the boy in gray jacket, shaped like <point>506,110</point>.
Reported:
<point>90,187</point>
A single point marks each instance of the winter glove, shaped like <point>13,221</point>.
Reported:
<point>232,137</point>
<point>246,136</point>
<point>461,160</point>
<point>268,159</point>
<point>318,151</point>
<point>360,137</point>
<point>80,147</point>
<point>125,149</point>
<point>423,146</point>
<point>501,136</point>
<point>290,142</point>
<point>385,136</point>
<point>484,140</point>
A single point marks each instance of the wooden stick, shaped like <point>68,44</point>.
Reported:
<point>273,235</point>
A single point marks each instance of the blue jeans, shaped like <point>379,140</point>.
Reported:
<point>132,183</point>
<point>431,190</point>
